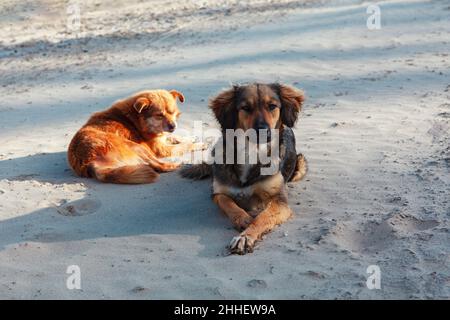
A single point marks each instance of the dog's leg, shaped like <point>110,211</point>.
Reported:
<point>151,159</point>
<point>173,150</point>
<point>277,212</point>
<point>172,146</point>
<point>300,168</point>
<point>165,166</point>
<point>237,215</point>
<point>162,166</point>
<point>128,174</point>
<point>175,139</point>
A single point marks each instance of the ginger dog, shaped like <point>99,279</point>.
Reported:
<point>124,143</point>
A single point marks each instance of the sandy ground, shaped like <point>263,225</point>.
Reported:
<point>375,130</point>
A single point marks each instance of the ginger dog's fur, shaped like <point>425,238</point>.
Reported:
<point>123,144</point>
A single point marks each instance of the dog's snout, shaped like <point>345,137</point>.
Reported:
<point>171,126</point>
<point>262,130</point>
<point>261,125</point>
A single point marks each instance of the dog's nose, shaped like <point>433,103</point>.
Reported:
<point>171,126</point>
<point>262,126</point>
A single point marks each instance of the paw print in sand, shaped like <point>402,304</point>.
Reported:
<point>78,207</point>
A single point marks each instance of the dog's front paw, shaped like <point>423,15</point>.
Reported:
<point>242,223</point>
<point>242,244</point>
<point>199,146</point>
<point>169,166</point>
<point>172,139</point>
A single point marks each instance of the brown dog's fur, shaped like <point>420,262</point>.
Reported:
<point>123,144</point>
<point>255,203</point>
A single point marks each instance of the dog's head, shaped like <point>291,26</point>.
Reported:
<point>156,111</point>
<point>257,106</point>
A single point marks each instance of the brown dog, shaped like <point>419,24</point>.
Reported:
<point>255,202</point>
<point>123,144</point>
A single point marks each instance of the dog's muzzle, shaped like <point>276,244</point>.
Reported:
<point>170,126</point>
<point>263,132</point>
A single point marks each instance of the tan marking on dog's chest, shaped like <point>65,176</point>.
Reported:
<point>263,189</point>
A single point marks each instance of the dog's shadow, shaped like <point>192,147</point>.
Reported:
<point>171,206</point>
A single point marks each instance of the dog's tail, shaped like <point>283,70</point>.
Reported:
<point>129,174</point>
<point>196,171</point>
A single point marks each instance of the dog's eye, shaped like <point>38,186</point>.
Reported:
<point>272,106</point>
<point>246,108</point>
<point>159,116</point>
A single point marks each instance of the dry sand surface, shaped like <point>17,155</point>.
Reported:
<point>375,130</point>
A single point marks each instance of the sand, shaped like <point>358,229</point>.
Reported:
<point>375,130</point>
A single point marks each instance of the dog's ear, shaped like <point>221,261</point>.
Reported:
<point>291,103</point>
<point>177,94</point>
<point>140,104</point>
<point>224,108</point>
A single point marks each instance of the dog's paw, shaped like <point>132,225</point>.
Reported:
<point>174,139</point>
<point>169,166</point>
<point>242,223</point>
<point>199,146</point>
<point>242,244</point>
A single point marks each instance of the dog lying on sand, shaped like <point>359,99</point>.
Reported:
<point>125,143</point>
<point>255,202</point>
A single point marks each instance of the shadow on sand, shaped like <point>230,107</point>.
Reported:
<point>171,206</point>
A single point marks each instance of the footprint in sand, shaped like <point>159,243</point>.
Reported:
<point>409,224</point>
<point>258,284</point>
<point>444,115</point>
<point>377,235</point>
<point>79,207</point>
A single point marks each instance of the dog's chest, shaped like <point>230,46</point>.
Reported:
<point>244,172</point>
<point>253,197</point>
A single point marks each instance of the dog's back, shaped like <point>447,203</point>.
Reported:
<point>102,149</point>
